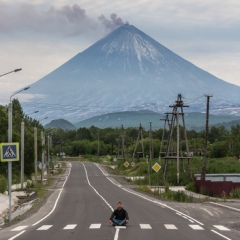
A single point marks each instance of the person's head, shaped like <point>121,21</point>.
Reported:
<point>119,205</point>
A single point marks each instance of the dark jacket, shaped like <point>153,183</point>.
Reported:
<point>119,214</point>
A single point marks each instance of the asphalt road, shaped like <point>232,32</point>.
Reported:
<point>82,204</point>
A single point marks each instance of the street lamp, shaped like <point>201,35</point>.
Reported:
<point>10,140</point>
<point>16,70</point>
<point>22,148</point>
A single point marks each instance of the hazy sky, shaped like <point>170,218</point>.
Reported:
<point>40,35</point>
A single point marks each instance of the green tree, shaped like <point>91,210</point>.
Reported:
<point>218,150</point>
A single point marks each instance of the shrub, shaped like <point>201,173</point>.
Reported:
<point>3,184</point>
<point>191,187</point>
<point>235,193</point>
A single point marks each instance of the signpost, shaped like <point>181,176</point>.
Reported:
<point>156,167</point>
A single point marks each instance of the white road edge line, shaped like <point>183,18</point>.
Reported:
<point>56,199</point>
<point>17,235</point>
<point>221,235</point>
<point>144,197</point>
<point>235,209</point>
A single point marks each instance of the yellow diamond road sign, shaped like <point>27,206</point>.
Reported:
<point>126,164</point>
<point>156,167</point>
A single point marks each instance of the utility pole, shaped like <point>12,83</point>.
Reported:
<point>166,120</point>
<point>35,153</point>
<point>150,147</point>
<point>150,142</point>
<point>171,154</point>
<point>203,174</point>
<point>121,141</point>
<point>22,148</point>
<point>35,149</point>
<point>48,151</point>
<point>140,136</point>
<point>22,153</point>
<point>43,154</point>
<point>10,163</point>
<point>98,144</point>
<point>177,147</point>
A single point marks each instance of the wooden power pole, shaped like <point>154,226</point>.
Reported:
<point>203,174</point>
<point>171,154</point>
<point>139,138</point>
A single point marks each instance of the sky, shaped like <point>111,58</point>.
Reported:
<point>40,35</point>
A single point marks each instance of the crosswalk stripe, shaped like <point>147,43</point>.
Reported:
<point>95,226</point>
<point>70,226</point>
<point>195,227</point>
<point>170,226</point>
<point>142,226</point>
<point>145,226</point>
<point>45,227</point>
<point>19,228</point>
<point>222,228</point>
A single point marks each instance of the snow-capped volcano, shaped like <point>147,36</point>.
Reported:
<point>126,70</point>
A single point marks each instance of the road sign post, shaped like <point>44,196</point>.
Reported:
<point>156,167</point>
<point>9,152</point>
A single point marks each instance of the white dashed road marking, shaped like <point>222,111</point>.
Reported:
<point>195,227</point>
<point>45,227</point>
<point>145,226</point>
<point>70,226</point>
<point>95,226</point>
<point>170,226</point>
<point>222,228</point>
<point>19,228</point>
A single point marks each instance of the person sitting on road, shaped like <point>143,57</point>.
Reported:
<point>119,216</point>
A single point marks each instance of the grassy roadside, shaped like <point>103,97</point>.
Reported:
<point>39,192</point>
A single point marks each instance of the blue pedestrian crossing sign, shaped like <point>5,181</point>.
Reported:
<point>9,152</point>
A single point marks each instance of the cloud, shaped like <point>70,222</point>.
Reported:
<point>66,20</point>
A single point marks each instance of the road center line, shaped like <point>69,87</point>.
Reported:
<point>117,229</point>
<point>96,190</point>
<point>116,234</point>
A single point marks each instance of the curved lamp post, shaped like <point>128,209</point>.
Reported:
<point>16,70</point>
<point>10,140</point>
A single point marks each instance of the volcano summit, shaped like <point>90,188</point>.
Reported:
<point>127,70</point>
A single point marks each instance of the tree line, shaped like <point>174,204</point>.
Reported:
<point>221,142</point>
<point>94,141</point>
